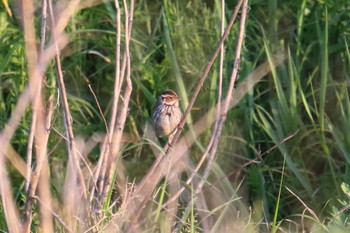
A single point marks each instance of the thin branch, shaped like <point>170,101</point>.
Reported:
<point>97,103</point>
<point>270,149</point>
<point>34,116</point>
<point>46,223</point>
<point>196,92</point>
<point>36,70</point>
<point>102,164</point>
<point>260,156</point>
<point>223,114</point>
<point>303,203</point>
<point>63,95</point>
<point>205,74</point>
<point>41,139</point>
<point>48,207</point>
<point>116,145</point>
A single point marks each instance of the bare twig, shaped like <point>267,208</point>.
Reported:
<point>105,151</point>
<point>73,157</point>
<point>46,222</point>
<point>34,115</point>
<point>259,157</point>
<point>41,140</point>
<point>196,92</point>
<point>97,103</point>
<point>35,69</point>
<point>303,203</point>
<point>205,73</point>
<point>116,145</point>
<point>31,52</point>
<point>270,149</point>
<point>48,207</point>
<point>217,132</point>
<point>41,137</point>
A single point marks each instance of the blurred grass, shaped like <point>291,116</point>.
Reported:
<point>171,43</point>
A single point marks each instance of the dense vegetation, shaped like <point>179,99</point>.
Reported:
<point>302,185</point>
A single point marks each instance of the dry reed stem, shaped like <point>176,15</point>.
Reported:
<point>97,103</point>
<point>144,189</point>
<point>31,52</point>
<point>205,73</point>
<point>158,163</point>
<point>114,149</point>
<point>208,222</point>
<point>48,207</point>
<point>226,103</point>
<point>303,203</point>
<point>68,121</point>
<point>34,115</point>
<point>9,208</point>
<point>23,101</point>
<point>46,223</point>
<point>39,132</point>
<point>26,96</point>
<point>196,92</point>
<point>41,136</point>
<point>16,160</point>
<point>41,139</point>
<point>116,145</point>
<point>101,168</point>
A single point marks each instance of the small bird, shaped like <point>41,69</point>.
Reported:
<point>167,114</point>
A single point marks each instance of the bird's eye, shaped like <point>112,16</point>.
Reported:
<point>170,98</point>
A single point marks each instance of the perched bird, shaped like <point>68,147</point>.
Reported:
<point>167,114</point>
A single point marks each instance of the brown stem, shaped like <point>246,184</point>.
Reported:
<point>226,103</point>
<point>116,144</point>
<point>107,144</point>
<point>205,73</point>
<point>34,115</point>
<point>67,117</point>
<point>44,179</point>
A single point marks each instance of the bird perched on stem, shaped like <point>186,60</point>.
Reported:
<point>167,114</point>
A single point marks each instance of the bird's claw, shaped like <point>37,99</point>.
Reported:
<point>170,147</point>
<point>180,126</point>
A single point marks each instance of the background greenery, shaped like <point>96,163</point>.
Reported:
<point>171,43</point>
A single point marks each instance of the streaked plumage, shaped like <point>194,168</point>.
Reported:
<point>166,114</point>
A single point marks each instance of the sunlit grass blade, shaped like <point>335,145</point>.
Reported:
<point>274,223</point>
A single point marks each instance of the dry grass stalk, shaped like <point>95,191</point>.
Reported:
<point>31,52</point>
<point>125,103</point>
<point>6,135</point>
<point>147,185</point>
<point>196,92</point>
<point>105,151</point>
<point>46,223</point>
<point>34,115</point>
<point>109,154</point>
<point>223,114</point>
<point>40,131</point>
<point>205,73</point>
<point>33,92</point>
<point>303,203</point>
<point>73,157</point>
<point>41,121</point>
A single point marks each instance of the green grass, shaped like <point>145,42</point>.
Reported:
<point>170,45</point>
